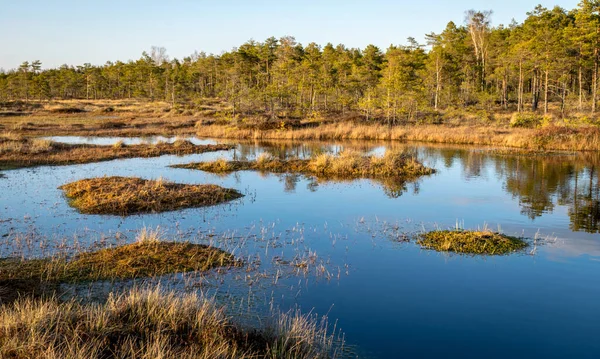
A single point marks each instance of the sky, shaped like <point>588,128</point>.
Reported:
<point>75,32</point>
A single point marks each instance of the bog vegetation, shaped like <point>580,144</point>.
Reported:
<point>125,196</point>
<point>17,151</point>
<point>348,165</point>
<point>471,242</point>
<point>546,65</point>
<point>149,257</point>
<point>139,322</point>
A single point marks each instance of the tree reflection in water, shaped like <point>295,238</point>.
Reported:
<point>539,182</point>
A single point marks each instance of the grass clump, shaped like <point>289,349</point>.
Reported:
<point>125,196</point>
<point>471,242</point>
<point>526,120</point>
<point>349,164</point>
<point>137,260</point>
<point>149,256</point>
<point>150,323</point>
<point>145,259</point>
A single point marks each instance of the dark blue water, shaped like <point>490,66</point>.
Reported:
<point>390,298</point>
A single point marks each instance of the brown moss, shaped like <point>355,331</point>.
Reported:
<point>126,196</point>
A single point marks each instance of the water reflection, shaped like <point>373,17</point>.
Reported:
<point>584,210</point>
<point>540,183</point>
<point>393,187</point>
<point>356,231</point>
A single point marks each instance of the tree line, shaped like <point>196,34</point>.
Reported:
<point>550,61</point>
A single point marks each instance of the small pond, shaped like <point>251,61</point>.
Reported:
<point>390,298</point>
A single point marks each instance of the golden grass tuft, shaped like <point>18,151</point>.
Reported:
<point>349,164</point>
<point>145,259</point>
<point>125,196</point>
<point>150,323</point>
<point>471,242</point>
<point>119,144</point>
<point>136,260</point>
<point>149,235</point>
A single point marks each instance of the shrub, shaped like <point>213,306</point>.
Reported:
<point>526,120</point>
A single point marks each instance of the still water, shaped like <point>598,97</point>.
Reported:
<point>390,298</point>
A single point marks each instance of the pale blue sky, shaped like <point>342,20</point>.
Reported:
<point>79,31</point>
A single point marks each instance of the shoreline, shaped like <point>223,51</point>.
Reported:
<point>551,139</point>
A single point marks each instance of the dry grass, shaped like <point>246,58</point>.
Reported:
<point>140,118</point>
<point>150,324</point>
<point>348,165</point>
<point>26,152</point>
<point>102,118</point>
<point>471,242</point>
<point>550,138</point>
<point>126,196</point>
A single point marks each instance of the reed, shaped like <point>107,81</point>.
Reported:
<point>151,323</point>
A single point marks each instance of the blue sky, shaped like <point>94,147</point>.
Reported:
<point>75,32</point>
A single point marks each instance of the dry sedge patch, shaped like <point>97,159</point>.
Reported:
<point>560,138</point>
<point>471,242</point>
<point>16,152</point>
<point>126,196</point>
<point>151,324</point>
<point>349,164</point>
<point>149,256</point>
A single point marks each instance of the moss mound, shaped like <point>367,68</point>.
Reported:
<point>146,260</point>
<point>349,164</point>
<point>125,196</point>
<point>471,242</point>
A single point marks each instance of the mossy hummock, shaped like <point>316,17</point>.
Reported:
<point>142,259</point>
<point>471,242</point>
<point>348,165</point>
<point>129,195</point>
<point>38,277</point>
